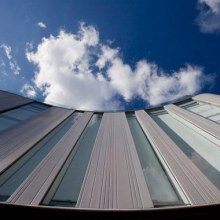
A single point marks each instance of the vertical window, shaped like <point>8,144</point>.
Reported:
<point>12,117</point>
<point>19,171</point>
<point>160,187</point>
<point>65,189</point>
<point>206,110</point>
<point>200,150</point>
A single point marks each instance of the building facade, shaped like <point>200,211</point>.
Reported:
<point>156,163</point>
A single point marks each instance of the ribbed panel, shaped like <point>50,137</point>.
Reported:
<point>9,100</point>
<point>197,120</point>
<point>16,141</point>
<point>196,186</point>
<point>114,177</point>
<point>208,98</point>
<point>34,188</point>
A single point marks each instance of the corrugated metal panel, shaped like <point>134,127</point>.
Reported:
<point>9,100</point>
<point>197,120</point>
<point>16,141</point>
<point>208,98</point>
<point>33,189</point>
<point>197,187</point>
<point>114,178</point>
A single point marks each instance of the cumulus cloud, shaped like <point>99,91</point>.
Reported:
<point>41,25</point>
<point>209,16</point>
<point>79,71</point>
<point>28,90</point>
<point>11,62</point>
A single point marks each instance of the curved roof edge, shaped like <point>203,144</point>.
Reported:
<point>175,101</point>
<point>199,97</point>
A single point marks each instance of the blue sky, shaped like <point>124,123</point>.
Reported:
<point>109,54</point>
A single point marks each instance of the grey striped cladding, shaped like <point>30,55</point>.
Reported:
<point>196,186</point>
<point>114,178</point>
<point>34,188</point>
<point>208,98</point>
<point>18,140</point>
<point>8,101</point>
<point>206,125</point>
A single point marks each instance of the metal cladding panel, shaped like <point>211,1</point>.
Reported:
<point>34,188</point>
<point>18,140</point>
<point>197,120</point>
<point>208,98</point>
<point>196,186</point>
<point>114,178</point>
<point>9,100</point>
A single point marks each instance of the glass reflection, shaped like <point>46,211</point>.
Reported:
<point>16,174</point>
<point>66,188</point>
<point>12,117</point>
<point>205,110</point>
<point>203,153</point>
<point>161,190</point>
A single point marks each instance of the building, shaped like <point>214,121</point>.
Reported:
<point>156,163</point>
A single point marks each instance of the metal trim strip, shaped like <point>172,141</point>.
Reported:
<point>208,98</point>
<point>204,124</point>
<point>114,178</point>
<point>194,183</point>
<point>9,101</point>
<point>34,188</point>
<point>18,140</point>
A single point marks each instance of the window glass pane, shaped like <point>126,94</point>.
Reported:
<point>12,117</point>
<point>20,114</point>
<point>37,107</point>
<point>204,109</point>
<point>17,173</point>
<point>6,123</point>
<point>161,190</point>
<point>66,188</point>
<point>203,153</point>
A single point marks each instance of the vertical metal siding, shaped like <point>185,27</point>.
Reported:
<point>196,186</point>
<point>34,188</point>
<point>9,100</point>
<point>18,140</point>
<point>197,120</point>
<point>208,98</point>
<point>114,178</point>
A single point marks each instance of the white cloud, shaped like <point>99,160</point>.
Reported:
<point>79,71</point>
<point>64,72</point>
<point>108,54</point>
<point>28,91</point>
<point>7,49</point>
<point>209,15</point>
<point>213,4</point>
<point>12,64</point>
<point>41,25</point>
<point>29,46</point>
